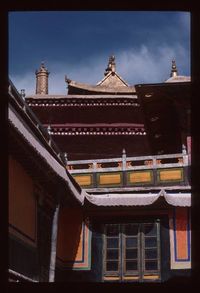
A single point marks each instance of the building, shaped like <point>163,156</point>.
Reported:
<point>130,218</point>
<point>38,186</point>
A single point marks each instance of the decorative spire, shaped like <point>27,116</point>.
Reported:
<point>23,93</point>
<point>67,80</point>
<point>174,71</point>
<point>111,65</point>
<point>42,80</point>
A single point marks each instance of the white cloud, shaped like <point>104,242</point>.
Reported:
<point>25,81</point>
<point>144,65</point>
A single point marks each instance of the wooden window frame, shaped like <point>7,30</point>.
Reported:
<point>141,274</point>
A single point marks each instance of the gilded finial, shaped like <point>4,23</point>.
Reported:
<point>111,65</point>
<point>67,79</point>
<point>174,71</point>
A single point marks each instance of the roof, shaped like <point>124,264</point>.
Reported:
<point>103,89</point>
<point>139,199</point>
<point>78,97</point>
<point>179,78</point>
<point>111,83</point>
<point>94,125</point>
<point>112,80</point>
<point>162,104</point>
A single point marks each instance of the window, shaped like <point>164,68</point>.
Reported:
<point>131,251</point>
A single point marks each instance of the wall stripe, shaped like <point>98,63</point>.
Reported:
<point>180,238</point>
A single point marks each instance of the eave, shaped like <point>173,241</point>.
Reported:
<point>75,88</point>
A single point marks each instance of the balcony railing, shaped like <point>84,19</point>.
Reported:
<point>129,171</point>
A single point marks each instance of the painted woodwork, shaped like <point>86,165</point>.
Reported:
<point>180,238</point>
<point>84,180</point>
<point>109,178</point>
<point>22,203</point>
<point>74,240</point>
<point>166,175</point>
<point>128,249</point>
<point>139,177</point>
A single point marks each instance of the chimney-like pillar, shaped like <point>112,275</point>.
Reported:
<point>42,80</point>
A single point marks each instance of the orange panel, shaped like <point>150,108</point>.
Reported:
<point>69,243</point>
<point>22,203</point>
<point>181,232</point>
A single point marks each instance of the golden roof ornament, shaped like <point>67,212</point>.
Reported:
<point>111,65</point>
<point>67,80</point>
<point>174,71</point>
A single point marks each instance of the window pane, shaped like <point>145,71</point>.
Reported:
<point>131,229</point>
<point>150,242</point>
<point>150,229</point>
<point>131,265</point>
<point>131,253</point>
<point>112,266</point>
<point>112,254</point>
<point>112,242</point>
<point>150,253</point>
<point>151,265</point>
<point>112,230</point>
<point>131,242</point>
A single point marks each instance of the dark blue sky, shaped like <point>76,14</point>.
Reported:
<point>78,44</point>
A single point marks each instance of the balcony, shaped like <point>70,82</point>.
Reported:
<point>132,172</point>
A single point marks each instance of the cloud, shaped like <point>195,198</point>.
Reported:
<point>151,65</point>
<point>143,65</point>
<point>24,81</point>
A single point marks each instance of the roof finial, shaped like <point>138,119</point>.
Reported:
<point>23,93</point>
<point>67,80</point>
<point>174,71</point>
<point>111,65</point>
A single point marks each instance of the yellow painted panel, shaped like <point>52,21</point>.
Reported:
<point>151,277</point>
<point>136,177</point>
<point>83,180</point>
<point>111,278</point>
<point>170,175</point>
<point>131,278</point>
<point>109,179</point>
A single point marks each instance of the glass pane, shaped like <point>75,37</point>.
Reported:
<point>112,242</point>
<point>150,242</point>
<point>131,253</point>
<point>112,266</point>
<point>150,229</point>
<point>131,229</point>
<point>112,254</point>
<point>151,265</point>
<point>112,230</point>
<point>131,242</point>
<point>150,253</point>
<point>131,265</point>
